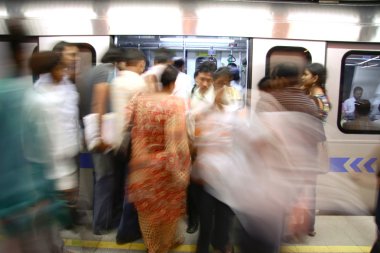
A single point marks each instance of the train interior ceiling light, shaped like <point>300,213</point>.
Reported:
<point>188,42</point>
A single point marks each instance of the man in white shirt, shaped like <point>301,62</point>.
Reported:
<point>183,83</point>
<point>162,58</point>
<point>128,83</point>
<point>202,98</point>
<point>349,104</point>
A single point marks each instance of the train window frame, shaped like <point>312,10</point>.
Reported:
<point>303,50</point>
<point>343,92</point>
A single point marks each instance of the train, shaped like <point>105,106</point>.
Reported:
<point>255,35</point>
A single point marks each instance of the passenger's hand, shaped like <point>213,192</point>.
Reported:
<point>102,147</point>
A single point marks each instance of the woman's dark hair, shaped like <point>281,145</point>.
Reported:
<point>179,63</point>
<point>44,62</point>
<point>169,75</point>
<point>363,107</point>
<point>317,69</point>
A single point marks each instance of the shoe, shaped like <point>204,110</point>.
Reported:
<point>128,238</point>
<point>192,228</point>
<point>312,233</point>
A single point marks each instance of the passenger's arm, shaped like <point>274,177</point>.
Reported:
<point>99,106</point>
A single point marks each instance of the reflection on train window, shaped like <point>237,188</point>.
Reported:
<point>359,100</point>
<point>298,55</point>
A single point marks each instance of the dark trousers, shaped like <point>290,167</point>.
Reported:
<point>108,191</point>
<point>215,223</point>
<point>129,227</point>
<point>193,195</point>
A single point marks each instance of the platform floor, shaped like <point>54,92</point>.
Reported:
<point>335,234</point>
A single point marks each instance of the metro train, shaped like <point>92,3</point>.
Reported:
<point>255,35</point>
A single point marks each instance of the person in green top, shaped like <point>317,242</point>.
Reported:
<point>28,206</point>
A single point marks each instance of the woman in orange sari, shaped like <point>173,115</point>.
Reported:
<point>160,163</point>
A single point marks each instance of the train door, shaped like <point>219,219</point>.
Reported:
<point>354,142</point>
<point>90,51</point>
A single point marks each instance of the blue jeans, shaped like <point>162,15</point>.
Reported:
<point>104,192</point>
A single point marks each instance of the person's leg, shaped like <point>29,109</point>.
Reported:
<point>120,173</point>
<point>103,192</point>
<point>222,227</point>
<point>311,189</point>
<point>129,229</point>
<point>206,220</point>
<point>192,207</point>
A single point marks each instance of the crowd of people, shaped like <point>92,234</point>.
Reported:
<point>164,150</point>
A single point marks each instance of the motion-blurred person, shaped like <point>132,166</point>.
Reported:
<point>69,54</point>
<point>61,105</point>
<point>348,106</point>
<point>106,206</point>
<point>235,82</point>
<point>183,84</point>
<point>215,216</point>
<point>255,165</point>
<point>313,83</point>
<point>202,98</point>
<point>162,58</point>
<point>293,98</point>
<point>28,207</point>
<point>159,164</point>
<point>286,89</point>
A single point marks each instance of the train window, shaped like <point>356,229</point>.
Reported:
<point>359,98</point>
<point>224,51</point>
<point>299,55</point>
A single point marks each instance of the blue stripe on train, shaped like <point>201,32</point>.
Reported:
<point>337,164</point>
<point>346,164</point>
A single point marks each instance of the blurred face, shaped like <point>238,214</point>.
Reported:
<point>141,66</point>
<point>203,81</point>
<point>70,55</point>
<point>57,73</point>
<point>221,81</point>
<point>358,94</point>
<point>308,79</point>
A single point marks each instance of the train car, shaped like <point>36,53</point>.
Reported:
<point>254,35</point>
